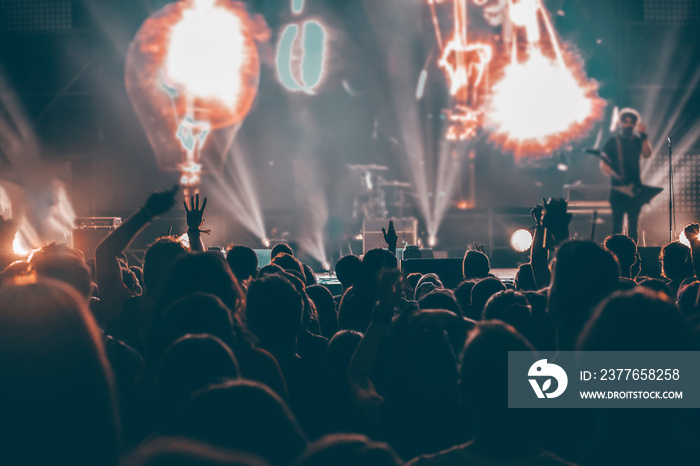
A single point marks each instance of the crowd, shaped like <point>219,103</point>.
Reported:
<point>190,357</point>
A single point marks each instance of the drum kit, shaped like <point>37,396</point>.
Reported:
<point>370,202</point>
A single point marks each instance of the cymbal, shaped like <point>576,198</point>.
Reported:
<point>395,184</point>
<point>368,167</point>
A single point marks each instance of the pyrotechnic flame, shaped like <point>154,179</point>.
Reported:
<point>542,99</point>
<point>541,103</point>
<point>18,246</point>
<point>464,65</point>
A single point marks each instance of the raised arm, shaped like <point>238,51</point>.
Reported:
<point>390,237</point>
<point>194,221</point>
<point>108,273</point>
<point>646,146</point>
<point>538,252</point>
<point>362,390</point>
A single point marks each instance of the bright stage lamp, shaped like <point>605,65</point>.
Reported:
<point>521,240</point>
<point>432,241</point>
<point>192,68</point>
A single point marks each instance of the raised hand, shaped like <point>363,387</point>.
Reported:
<point>556,220</point>
<point>390,236</point>
<point>536,213</point>
<point>161,201</point>
<point>194,212</point>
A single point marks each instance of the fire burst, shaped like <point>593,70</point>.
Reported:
<point>194,66</point>
<point>464,65</point>
<point>541,103</point>
<point>541,98</point>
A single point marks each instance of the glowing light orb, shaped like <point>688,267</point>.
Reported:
<point>194,63</point>
<point>206,52</point>
<point>521,240</point>
<point>203,52</point>
<point>539,105</point>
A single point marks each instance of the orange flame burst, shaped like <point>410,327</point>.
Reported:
<point>543,100</point>
<point>535,101</point>
<point>464,65</point>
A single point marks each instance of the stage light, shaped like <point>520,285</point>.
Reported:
<point>184,240</point>
<point>683,239</point>
<point>521,240</point>
<point>266,242</point>
<point>432,241</point>
<point>359,237</point>
<point>193,67</point>
<point>19,248</point>
<point>326,266</point>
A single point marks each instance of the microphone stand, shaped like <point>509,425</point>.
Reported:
<point>670,189</point>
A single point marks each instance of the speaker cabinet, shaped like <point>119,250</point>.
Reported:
<point>373,237</point>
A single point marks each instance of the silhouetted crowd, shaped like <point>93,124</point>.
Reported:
<point>192,357</point>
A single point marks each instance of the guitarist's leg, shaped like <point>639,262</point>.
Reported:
<point>633,221</point>
<point>618,212</point>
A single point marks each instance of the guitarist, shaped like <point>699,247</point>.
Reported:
<point>623,152</point>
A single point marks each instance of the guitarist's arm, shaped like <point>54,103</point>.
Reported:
<point>646,146</point>
<point>606,170</point>
<point>606,156</point>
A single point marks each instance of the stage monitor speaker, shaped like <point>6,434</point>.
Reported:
<point>650,266</point>
<point>414,252</point>
<point>87,240</point>
<point>449,270</point>
<point>90,231</point>
<point>373,237</point>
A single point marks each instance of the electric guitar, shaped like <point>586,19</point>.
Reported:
<point>641,193</point>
